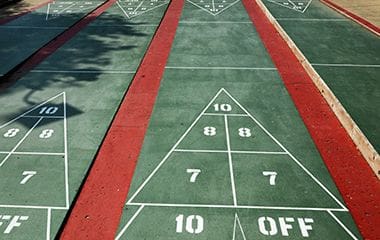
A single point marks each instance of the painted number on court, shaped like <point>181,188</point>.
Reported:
<point>47,133</point>
<point>10,222</point>
<point>48,110</point>
<point>194,174</point>
<point>222,107</point>
<point>11,132</point>
<point>285,226</point>
<point>272,177</point>
<point>193,224</point>
<point>209,131</point>
<point>27,175</point>
<point>245,132</point>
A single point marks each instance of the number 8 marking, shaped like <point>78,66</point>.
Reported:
<point>11,132</point>
<point>47,133</point>
<point>209,131</point>
<point>245,132</point>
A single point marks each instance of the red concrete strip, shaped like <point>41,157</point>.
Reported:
<point>354,178</point>
<point>97,211</point>
<point>373,28</point>
<point>13,17</point>
<point>40,55</point>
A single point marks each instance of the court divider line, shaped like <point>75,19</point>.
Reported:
<point>97,211</point>
<point>354,178</point>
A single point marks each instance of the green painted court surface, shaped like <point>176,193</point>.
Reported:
<point>344,54</point>
<point>51,127</point>
<point>226,155</point>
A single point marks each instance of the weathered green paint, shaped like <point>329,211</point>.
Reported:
<point>340,42</point>
<point>94,70</point>
<point>211,53</point>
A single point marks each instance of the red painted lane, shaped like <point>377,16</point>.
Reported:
<point>354,178</point>
<point>51,47</point>
<point>97,211</point>
<point>373,28</point>
<point>13,17</point>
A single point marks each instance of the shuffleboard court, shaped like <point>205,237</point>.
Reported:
<point>226,155</point>
<point>55,117</point>
<point>344,54</point>
<point>23,36</point>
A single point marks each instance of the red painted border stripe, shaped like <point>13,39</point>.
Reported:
<point>97,211</point>
<point>354,178</point>
<point>13,17</point>
<point>373,28</point>
<point>41,54</point>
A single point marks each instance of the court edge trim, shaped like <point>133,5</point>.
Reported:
<point>366,24</point>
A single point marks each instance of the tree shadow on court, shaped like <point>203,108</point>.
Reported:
<point>110,43</point>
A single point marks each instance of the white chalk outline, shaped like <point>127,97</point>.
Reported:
<point>291,2</point>
<point>208,11</point>
<point>142,12</point>
<point>65,154</point>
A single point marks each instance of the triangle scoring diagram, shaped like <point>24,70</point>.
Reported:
<point>133,8</point>
<point>214,7</point>
<point>296,5</point>
<point>56,9</point>
<point>232,139</point>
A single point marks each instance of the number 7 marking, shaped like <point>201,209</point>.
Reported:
<point>272,177</point>
<point>28,175</point>
<point>194,174</point>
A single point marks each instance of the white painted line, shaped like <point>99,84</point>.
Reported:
<point>34,153</point>
<point>32,207</point>
<point>260,152</point>
<point>232,151</point>
<point>47,12</point>
<point>129,223</point>
<point>223,68</point>
<point>283,148</point>
<point>134,11</point>
<point>65,149</point>
<point>314,19</point>
<point>214,22</point>
<point>30,116</point>
<point>346,65</point>
<point>237,207</point>
<point>30,110</point>
<point>230,160</point>
<point>237,220</point>
<point>20,142</point>
<point>122,9</point>
<point>82,71</point>
<point>200,151</point>
<point>342,225</point>
<point>173,148</point>
<point>229,114</point>
<point>48,224</point>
